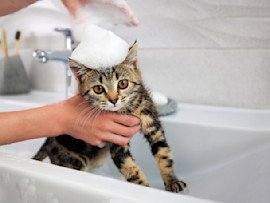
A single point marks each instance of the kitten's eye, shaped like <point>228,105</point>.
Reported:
<point>98,89</point>
<point>122,84</point>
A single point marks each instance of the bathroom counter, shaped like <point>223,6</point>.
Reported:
<point>33,99</point>
<point>237,118</point>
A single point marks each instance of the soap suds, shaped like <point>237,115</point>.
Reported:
<point>100,49</point>
<point>159,99</point>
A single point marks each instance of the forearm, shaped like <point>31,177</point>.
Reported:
<point>71,117</point>
<point>10,6</point>
<point>29,124</point>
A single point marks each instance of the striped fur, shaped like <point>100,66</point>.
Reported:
<point>133,99</point>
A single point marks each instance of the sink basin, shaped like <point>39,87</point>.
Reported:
<point>221,153</point>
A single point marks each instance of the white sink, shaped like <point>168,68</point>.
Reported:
<point>221,153</point>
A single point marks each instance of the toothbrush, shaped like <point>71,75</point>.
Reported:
<point>1,46</point>
<point>4,43</point>
<point>18,37</point>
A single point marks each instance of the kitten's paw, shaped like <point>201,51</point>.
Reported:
<point>142,182</point>
<point>176,186</point>
<point>146,184</point>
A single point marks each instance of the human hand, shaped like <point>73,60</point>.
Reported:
<point>100,7</point>
<point>95,126</point>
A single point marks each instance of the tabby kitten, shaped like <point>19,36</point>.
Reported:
<point>117,89</point>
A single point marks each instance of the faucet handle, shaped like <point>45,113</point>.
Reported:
<point>65,31</point>
<point>40,55</point>
<point>69,37</point>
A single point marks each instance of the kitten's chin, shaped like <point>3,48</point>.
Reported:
<point>112,108</point>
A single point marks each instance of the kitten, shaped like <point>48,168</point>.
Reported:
<point>117,89</point>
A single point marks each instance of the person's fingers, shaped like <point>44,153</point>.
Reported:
<point>116,139</point>
<point>93,141</point>
<point>129,13</point>
<point>72,6</point>
<point>126,120</point>
<point>124,130</point>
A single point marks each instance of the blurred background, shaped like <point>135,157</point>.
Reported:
<point>211,52</point>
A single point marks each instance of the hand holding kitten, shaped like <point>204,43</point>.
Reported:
<point>78,119</point>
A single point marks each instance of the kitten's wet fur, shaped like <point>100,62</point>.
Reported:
<point>117,89</point>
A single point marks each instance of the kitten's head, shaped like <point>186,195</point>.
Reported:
<point>111,89</point>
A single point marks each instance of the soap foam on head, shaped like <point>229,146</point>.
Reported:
<point>100,49</point>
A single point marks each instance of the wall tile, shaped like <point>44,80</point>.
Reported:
<point>49,76</point>
<point>216,77</point>
<point>200,24</point>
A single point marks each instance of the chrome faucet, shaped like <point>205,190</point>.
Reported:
<point>69,37</point>
<point>43,56</point>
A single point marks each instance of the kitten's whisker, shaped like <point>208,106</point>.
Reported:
<point>97,115</point>
<point>85,110</point>
<point>84,102</point>
<point>83,114</point>
<point>80,121</point>
<point>88,115</point>
<point>93,112</point>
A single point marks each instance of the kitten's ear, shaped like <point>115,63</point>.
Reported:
<point>131,58</point>
<point>77,69</point>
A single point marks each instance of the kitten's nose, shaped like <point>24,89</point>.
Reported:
<point>113,100</point>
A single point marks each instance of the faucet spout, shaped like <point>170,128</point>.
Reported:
<point>69,37</point>
<point>43,56</point>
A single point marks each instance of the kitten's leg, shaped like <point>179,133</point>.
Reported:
<point>43,151</point>
<point>67,159</point>
<point>154,134</point>
<point>125,163</point>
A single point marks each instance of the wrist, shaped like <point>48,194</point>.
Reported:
<point>65,113</point>
<point>57,119</point>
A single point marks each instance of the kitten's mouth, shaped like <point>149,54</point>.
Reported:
<point>112,107</point>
